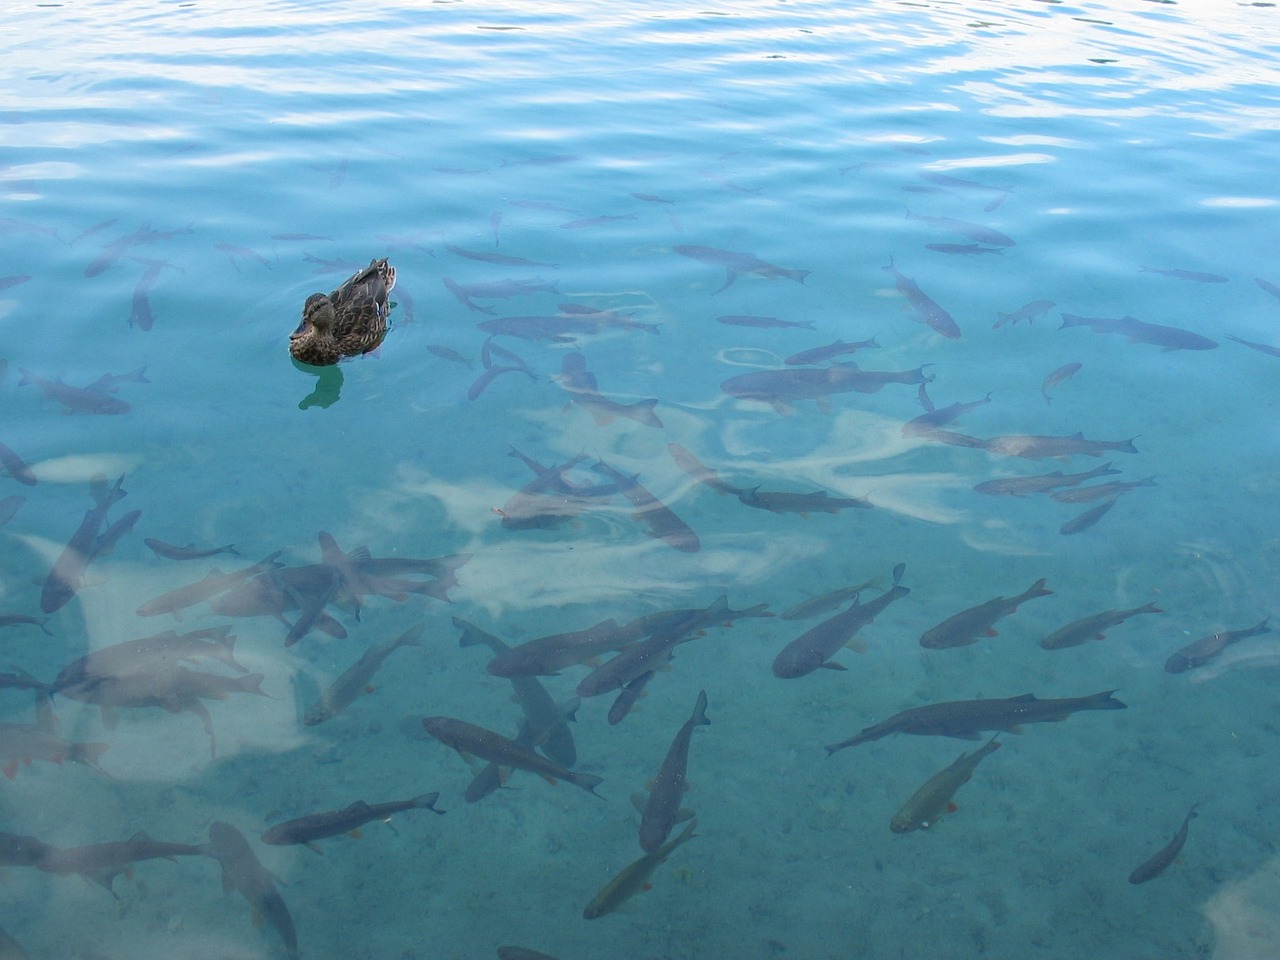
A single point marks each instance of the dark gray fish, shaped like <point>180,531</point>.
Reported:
<point>1087,519</point>
<point>103,862</point>
<point>116,249</point>
<point>736,264</point>
<point>580,384</point>
<point>776,501</point>
<point>814,648</point>
<point>662,810</point>
<point>500,258</point>
<point>1057,376</point>
<point>1260,347</point>
<point>634,877</point>
<point>929,312</point>
<point>68,570</point>
<point>242,871</point>
<point>695,468</point>
<point>965,248</point>
<point>236,252</point>
<point>547,656</point>
<point>1100,491</point>
<point>1092,627</point>
<point>297,237</point>
<point>966,719</point>
<point>965,627</point>
<point>550,498</point>
<point>974,231</point>
<point>481,383</point>
<point>10,226</point>
<point>928,423</point>
<point>75,399</point>
<point>1268,286</point>
<point>780,388</point>
<point>146,655</point>
<point>819,354</point>
<point>447,353</point>
<point>1193,275</point>
<point>96,228</point>
<point>1200,652</point>
<point>467,738</point>
<point>1167,338</point>
<point>628,696</point>
<point>334,823</point>
<point>17,468</point>
<point>1021,486</point>
<point>652,512</point>
<point>763,323</point>
<point>190,552</point>
<point>1166,855</point>
<point>956,183</point>
<point>22,619</point>
<point>605,318</point>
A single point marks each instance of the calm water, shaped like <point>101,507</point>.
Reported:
<point>176,178</point>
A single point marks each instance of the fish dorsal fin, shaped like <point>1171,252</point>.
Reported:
<point>1024,698</point>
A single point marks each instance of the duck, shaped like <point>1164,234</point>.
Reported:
<point>350,321</point>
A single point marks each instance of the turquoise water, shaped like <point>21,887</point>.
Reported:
<point>1104,138</point>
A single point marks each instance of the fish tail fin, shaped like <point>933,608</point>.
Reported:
<point>1038,589</point>
<point>588,782</point>
<point>1071,320</point>
<point>1104,701</point>
<point>729,277</point>
<point>428,802</point>
<point>27,377</point>
<point>798,276</point>
<point>1127,446</point>
<point>700,710</point>
<point>644,413</point>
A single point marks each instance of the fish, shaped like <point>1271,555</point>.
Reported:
<point>1200,652</point>
<point>333,823</point>
<point>816,606</point>
<point>21,619</point>
<point>13,281</point>
<point>816,646</point>
<point>550,498</point>
<point>1160,861</point>
<point>802,503</point>
<point>1100,491</point>
<point>965,719</point>
<point>140,314</point>
<point>821,354</point>
<point>650,653</point>
<point>96,228</point>
<point>604,319</point>
<point>545,722</point>
<point>1193,275</point>
<point>1268,286</point>
<point>661,521</point>
<point>356,678</point>
<point>103,862</point>
<point>557,329</point>
<point>762,323</point>
<point>1028,312</point>
<point>467,738</point>
<point>522,953</point>
<point>1057,376</point>
<point>114,250</point>
<point>76,399</point>
<point>298,237</point>
<point>447,353</point>
<point>928,804</point>
<point>9,505</point>
<point>1260,347</point>
<point>547,656</point>
<point>16,467</point>
<point>498,289</point>
<point>25,742</point>
<point>928,423</point>
<point>146,655</point>
<point>634,877</point>
<point>1092,627</point>
<point>580,384</point>
<point>481,383</point>
<point>1087,519</point>
<point>188,552</point>
<point>662,809</point>
<point>1167,338</point>
<point>498,258</point>
<point>695,468</point>
<point>214,583</point>
<point>10,949</point>
<point>928,310</point>
<point>974,231</point>
<point>964,248</point>
<point>17,850</point>
<point>628,696</point>
<point>596,221</point>
<point>68,570</point>
<point>955,183</point>
<point>242,871</point>
<point>965,627</point>
<point>780,388</point>
<point>1033,447</point>
<point>1021,486</point>
<point>234,252</point>
<point>737,264</point>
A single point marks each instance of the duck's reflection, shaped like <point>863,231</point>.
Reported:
<point>328,386</point>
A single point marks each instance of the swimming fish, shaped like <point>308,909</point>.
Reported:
<point>762,323</point>
<point>816,606</point>
<point>1021,486</point>
<point>356,678</point>
<point>695,468</point>
<point>661,521</point>
<point>780,388</point>
<point>1260,347</point>
<point>1033,447</point>
<point>76,399</point>
<point>736,264</point>
<point>781,501</point>
<point>1168,338</point>
<point>580,384</point>
<point>498,258</point>
<point>965,627</point>
<point>470,739</point>
<point>927,309</point>
<point>145,655</point>
<point>214,583</point>
<point>1200,652</point>
<point>662,809</point>
<point>1166,855</point>
<point>103,862</point>
<point>1100,491</point>
<point>242,871</point>
<point>1194,275</point>
<point>816,646</point>
<point>634,877</point>
<point>974,231</point>
<point>16,467</point>
<point>333,823</point>
<point>962,248</point>
<point>1057,376</point>
<point>1088,518</point>
<point>836,349</point>
<point>21,743</point>
<point>965,719</point>
<point>1029,312</point>
<point>189,552</point>
<point>1092,627</point>
<point>928,804</point>
<point>84,546</point>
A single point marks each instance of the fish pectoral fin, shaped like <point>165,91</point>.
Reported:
<point>356,834</point>
<point>951,807</point>
<point>991,632</point>
<point>857,646</point>
<point>313,847</point>
<point>832,665</point>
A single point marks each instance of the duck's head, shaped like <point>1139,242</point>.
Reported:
<point>312,342</point>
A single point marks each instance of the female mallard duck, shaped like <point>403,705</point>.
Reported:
<point>350,321</point>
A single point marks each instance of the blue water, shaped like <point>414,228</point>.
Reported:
<point>1110,136</point>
